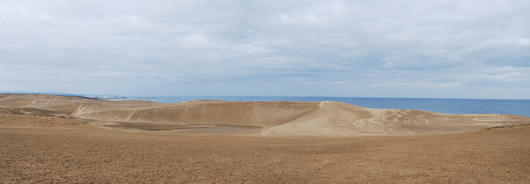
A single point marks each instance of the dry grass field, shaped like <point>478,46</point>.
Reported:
<point>53,139</point>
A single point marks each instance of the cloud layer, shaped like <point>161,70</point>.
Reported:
<point>439,49</point>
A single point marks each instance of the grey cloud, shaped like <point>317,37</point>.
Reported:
<point>284,45</point>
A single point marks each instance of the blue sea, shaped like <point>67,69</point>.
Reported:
<point>451,106</point>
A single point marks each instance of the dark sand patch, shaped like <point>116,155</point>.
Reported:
<point>165,126</point>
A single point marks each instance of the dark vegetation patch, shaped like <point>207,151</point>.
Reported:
<point>509,126</point>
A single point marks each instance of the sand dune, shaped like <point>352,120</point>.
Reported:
<point>330,119</point>
<point>54,139</point>
<point>15,102</point>
<point>340,119</point>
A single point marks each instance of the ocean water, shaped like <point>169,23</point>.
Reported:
<point>451,106</point>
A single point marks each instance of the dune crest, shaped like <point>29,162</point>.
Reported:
<point>286,118</point>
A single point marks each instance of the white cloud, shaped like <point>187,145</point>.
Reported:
<point>439,85</point>
<point>133,19</point>
<point>442,44</point>
<point>524,42</point>
<point>17,9</point>
<point>390,64</point>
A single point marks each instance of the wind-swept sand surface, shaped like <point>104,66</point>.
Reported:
<point>45,138</point>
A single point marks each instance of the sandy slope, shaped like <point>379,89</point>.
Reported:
<point>49,139</point>
<point>331,119</point>
<point>34,149</point>
<point>340,119</point>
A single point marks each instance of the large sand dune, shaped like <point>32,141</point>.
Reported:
<point>54,139</point>
<point>330,119</point>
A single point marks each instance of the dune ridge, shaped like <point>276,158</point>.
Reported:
<point>283,118</point>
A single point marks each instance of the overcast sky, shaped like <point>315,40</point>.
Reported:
<point>422,49</point>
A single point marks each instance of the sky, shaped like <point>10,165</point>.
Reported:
<point>410,49</point>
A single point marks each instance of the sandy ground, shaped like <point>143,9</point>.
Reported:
<point>51,139</point>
